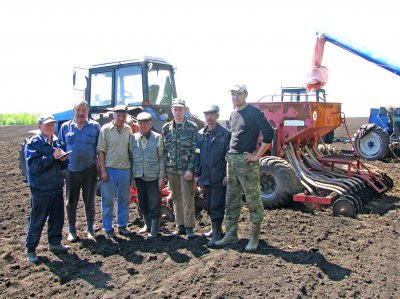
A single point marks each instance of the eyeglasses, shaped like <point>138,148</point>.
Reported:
<point>237,93</point>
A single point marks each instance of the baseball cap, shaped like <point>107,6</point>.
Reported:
<point>144,116</point>
<point>45,119</point>
<point>177,102</point>
<point>211,109</point>
<point>239,88</point>
<point>120,109</point>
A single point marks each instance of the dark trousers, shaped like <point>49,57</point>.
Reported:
<point>74,182</point>
<point>43,207</point>
<point>149,197</point>
<point>215,202</point>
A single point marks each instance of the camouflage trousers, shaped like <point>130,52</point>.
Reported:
<point>243,176</point>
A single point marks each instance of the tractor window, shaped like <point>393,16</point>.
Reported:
<point>160,86</point>
<point>129,89</point>
<point>101,89</point>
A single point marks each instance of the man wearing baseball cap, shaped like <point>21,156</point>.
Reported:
<point>212,144</point>
<point>178,137</point>
<point>113,155</point>
<point>148,172</point>
<point>243,171</point>
<point>45,160</point>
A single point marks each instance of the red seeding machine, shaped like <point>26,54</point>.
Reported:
<point>303,168</point>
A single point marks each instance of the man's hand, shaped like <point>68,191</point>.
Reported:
<point>188,176</point>
<point>58,153</point>
<point>161,183</point>
<point>133,182</point>
<point>104,175</point>
<point>250,157</point>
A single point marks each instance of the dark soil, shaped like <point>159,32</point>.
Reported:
<point>301,254</point>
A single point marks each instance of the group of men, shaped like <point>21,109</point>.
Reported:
<point>223,163</point>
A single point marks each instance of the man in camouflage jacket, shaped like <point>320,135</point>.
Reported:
<point>179,142</point>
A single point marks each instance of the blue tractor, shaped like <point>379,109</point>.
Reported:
<point>379,139</point>
<point>146,84</point>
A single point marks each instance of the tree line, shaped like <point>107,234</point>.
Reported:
<point>11,119</point>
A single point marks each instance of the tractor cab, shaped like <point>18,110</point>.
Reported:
<point>298,94</point>
<point>142,85</point>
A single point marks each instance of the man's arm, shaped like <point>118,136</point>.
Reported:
<point>102,164</point>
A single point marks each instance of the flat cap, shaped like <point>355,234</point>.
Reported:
<point>211,109</point>
<point>120,109</point>
<point>144,116</point>
<point>45,119</point>
<point>239,88</point>
<point>178,102</point>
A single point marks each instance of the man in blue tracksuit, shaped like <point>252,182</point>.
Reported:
<point>212,144</point>
<point>45,160</point>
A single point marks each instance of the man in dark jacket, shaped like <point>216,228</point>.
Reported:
<point>212,145</point>
<point>45,161</point>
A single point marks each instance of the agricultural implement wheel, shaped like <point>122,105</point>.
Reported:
<point>371,142</point>
<point>278,182</point>
<point>344,207</point>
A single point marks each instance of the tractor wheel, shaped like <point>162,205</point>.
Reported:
<point>166,214</point>
<point>373,145</point>
<point>278,182</point>
<point>22,162</point>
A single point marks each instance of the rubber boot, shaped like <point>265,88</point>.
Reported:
<point>216,233</point>
<point>254,238</point>
<point>231,235</point>
<point>147,224</point>
<point>155,228</point>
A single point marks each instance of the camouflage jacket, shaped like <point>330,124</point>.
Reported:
<point>179,146</point>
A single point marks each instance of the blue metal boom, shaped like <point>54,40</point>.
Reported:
<point>363,52</point>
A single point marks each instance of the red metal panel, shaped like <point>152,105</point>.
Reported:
<point>312,199</point>
<point>301,121</point>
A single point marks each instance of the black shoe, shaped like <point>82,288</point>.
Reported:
<point>180,231</point>
<point>189,232</point>
<point>123,231</point>
<point>110,234</point>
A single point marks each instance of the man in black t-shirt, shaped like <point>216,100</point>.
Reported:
<point>243,169</point>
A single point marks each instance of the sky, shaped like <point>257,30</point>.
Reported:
<point>213,44</point>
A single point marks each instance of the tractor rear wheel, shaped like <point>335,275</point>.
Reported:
<point>21,160</point>
<point>372,145</point>
<point>278,182</point>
